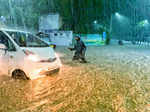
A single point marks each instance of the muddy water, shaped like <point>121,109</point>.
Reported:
<point>41,95</point>
<point>19,95</point>
<point>115,78</point>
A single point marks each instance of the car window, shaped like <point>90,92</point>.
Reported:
<point>27,40</point>
<point>7,42</point>
<point>32,41</point>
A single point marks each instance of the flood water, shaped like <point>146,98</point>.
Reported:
<point>116,78</point>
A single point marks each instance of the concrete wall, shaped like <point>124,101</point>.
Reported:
<point>60,38</point>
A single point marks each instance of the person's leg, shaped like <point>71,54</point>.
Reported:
<point>76,56</point>
<point>82,56</point>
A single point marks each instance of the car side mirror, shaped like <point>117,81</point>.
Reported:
<point>3,47</point>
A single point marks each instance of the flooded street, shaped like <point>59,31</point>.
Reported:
<point>115,79</point>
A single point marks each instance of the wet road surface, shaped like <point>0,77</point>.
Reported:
<point>116,79</point>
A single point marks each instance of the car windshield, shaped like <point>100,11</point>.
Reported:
<point>27,39</point>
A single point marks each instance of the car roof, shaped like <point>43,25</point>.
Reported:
<point>13,30</point>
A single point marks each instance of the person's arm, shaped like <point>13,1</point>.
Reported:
<point>71,49</point>
<point>74,48</point>
<point>82,44</point>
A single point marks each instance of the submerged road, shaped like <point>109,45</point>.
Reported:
<point>115,79</point>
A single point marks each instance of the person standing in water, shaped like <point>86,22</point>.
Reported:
<point>79,49</point>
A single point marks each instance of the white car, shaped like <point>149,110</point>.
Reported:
<point>24,55</point>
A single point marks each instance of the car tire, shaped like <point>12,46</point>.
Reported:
<point>19,74</point>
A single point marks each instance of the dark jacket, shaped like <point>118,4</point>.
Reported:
<point>79,46</point>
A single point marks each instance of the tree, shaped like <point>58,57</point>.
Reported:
<point>77,15</point>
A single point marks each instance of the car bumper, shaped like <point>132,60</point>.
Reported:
<point>49,71</point>
<point>36,70</point>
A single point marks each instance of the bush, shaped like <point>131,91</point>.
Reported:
<point>107,41</point>
<point>108,38</point>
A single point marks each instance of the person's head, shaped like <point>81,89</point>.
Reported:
<point>77,38</point>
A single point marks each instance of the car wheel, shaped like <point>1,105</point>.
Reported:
<point>19,74</point>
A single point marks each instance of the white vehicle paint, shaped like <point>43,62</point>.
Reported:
<point>25,54</point>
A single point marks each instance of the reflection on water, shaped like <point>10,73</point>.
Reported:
<point>37,88</point>
<point>38,91</point>
<point>23,96</point>
<point>4,78</point>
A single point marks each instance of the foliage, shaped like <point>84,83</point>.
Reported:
<point>77,15</point>
<point>108,39</point>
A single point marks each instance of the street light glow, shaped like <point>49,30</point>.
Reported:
<point>117,14</point>
<point>95,22</point>
<point>143,23</point>
<point>146,22</point>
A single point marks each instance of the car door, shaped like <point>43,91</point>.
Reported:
<point>3,62</point>
<point>4,57</point>
<point>15,52</point>
<point>11,54</point>
<point>15,60</point>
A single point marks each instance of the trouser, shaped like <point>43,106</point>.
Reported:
<point>79,55</point>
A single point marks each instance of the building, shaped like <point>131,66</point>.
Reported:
<point>50,24</point>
